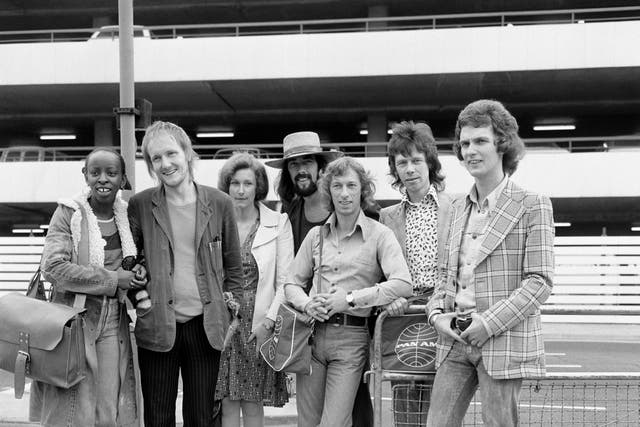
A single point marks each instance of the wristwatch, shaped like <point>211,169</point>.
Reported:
<point>350,300</point>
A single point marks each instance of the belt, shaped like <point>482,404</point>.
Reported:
<point>347,320</point>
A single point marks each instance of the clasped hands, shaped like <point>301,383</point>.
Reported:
<point>135,279</point>
<point>475,334</point>
<point>323,306</point>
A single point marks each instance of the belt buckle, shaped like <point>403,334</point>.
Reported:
<point>338,319</point>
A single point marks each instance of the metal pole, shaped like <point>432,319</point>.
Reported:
<point>128,143</point>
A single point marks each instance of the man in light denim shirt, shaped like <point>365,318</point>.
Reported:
<point>356,251</point>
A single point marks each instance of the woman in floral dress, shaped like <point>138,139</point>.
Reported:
<point>245,381</point>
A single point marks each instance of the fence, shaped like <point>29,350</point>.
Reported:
<point>389,23</point>
<point>598,277</point>
<point>356,149</point>
<point>19,259</point>
<point>556,400</point>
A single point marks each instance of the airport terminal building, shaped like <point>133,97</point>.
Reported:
<point>241,75</point>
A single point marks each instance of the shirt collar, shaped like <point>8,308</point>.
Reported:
<point>361,224</point>
<point>492,199</point>
<point>433,193</point>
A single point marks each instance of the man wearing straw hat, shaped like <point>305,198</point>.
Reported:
<point>301,165</point>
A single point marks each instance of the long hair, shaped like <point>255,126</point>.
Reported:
<point>408,135</point>
<point>285,186</point>
<point>339,167</point>
<point>491,113</point>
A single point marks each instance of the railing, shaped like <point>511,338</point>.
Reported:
<point>356,149</point>
<point>390,23</point>
<point>597,280</point>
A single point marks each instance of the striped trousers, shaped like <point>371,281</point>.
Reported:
<point>191,356</point>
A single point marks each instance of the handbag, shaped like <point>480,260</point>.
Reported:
<point>408,342</point>
<point>289,347</point>
<point>42,340</point>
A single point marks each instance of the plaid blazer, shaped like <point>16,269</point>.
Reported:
<point>513,278</point>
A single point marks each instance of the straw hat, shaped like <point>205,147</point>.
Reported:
<point>302,144</point>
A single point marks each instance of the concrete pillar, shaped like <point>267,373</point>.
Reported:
<point>378,11</point>
<point>103,132</point>
<point>377,128</point>
<point>101,21</point>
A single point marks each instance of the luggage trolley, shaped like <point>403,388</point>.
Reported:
<point>404,350</point>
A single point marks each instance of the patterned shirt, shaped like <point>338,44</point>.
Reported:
<point>473,236</point>
<point>421,229</point>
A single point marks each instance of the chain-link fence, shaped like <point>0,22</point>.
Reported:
<point>557,400</point>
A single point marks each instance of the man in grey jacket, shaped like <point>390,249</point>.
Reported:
<point>420,222</point>
<point>187,233</point>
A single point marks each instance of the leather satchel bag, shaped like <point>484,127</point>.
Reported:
<point>289,347</point>
<point>41,340</point>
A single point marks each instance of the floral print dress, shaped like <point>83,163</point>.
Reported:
<point>243,374</point>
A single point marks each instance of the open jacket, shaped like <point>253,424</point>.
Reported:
<point>69,249</point>
<point>395,218</point>
<point>513,278</point>
<point>218,264</point>
<point>273,251</point>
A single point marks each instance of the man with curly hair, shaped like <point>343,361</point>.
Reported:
<point>498,272</point>
<point>302,164</point>
<point>355,251</point>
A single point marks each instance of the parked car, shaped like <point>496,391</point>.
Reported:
<point>111,32</point>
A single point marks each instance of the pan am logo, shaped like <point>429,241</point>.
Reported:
<point>416,345</point>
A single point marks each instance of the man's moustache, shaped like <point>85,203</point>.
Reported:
<point>302,176</point>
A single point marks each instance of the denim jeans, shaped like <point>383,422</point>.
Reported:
<point>108,353</point>
<point>325,398</point>
<point>456,382</point>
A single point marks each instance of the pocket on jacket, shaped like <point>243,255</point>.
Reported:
<point>215,255</point>
<point>142,312</point>
<point>526,340</point>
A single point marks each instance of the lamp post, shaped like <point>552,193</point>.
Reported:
<point>126,109</point>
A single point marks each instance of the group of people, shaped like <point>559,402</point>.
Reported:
<point>216,264</point>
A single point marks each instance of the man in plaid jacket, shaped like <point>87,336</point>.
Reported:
<point>497,273</point>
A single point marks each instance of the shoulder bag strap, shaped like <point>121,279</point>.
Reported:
<point>83,255</point>
<point>320,257</point>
